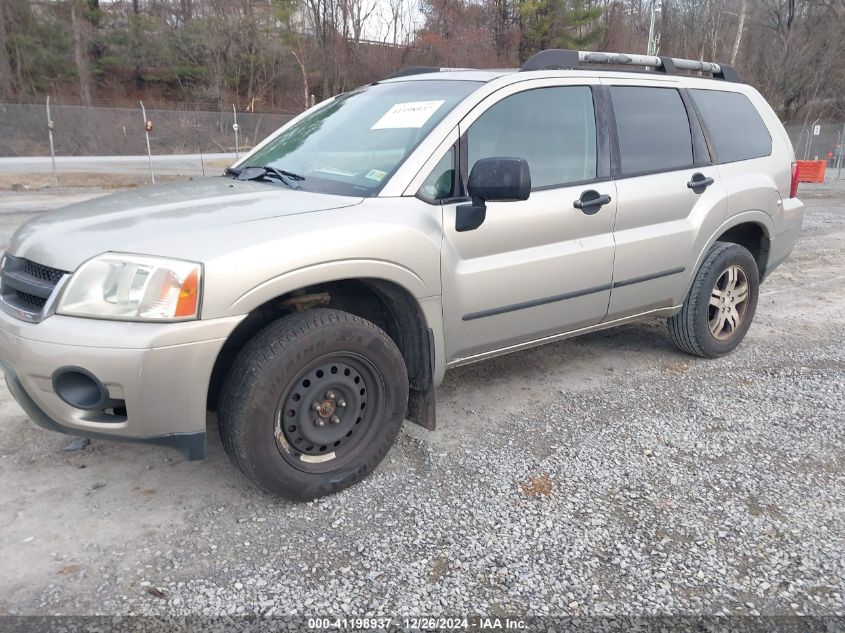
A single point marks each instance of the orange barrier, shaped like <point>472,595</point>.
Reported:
<point>811,170</point>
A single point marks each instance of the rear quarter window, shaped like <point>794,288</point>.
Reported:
<point>734,125</point>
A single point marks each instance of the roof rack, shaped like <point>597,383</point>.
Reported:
<point>562,59</point>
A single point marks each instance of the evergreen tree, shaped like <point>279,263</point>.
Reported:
<point>569,24</point>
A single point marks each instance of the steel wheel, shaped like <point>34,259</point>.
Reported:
<point>728,303</point>
<point>325,415</point>
<point>313,403</point>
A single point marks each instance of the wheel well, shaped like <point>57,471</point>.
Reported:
<point>384,303</point>
<point>752,236</point>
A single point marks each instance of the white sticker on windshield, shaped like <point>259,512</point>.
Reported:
<point>409,114</point>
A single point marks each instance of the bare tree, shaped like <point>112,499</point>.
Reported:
<point>277,52</point>
<point>5,65</point>
<point>300,59</point>
<point>80,56</point>
<point>743,11</point>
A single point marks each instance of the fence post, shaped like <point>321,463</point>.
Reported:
<point>235,128</point>
<point>52,149</point>
<point>801,143</point>
<point>810,139</point>
<point>199,143</point>
<point>148,125</point>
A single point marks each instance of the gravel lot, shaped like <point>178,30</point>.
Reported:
<point>604,475</point>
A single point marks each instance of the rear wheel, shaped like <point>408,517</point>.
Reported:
<point>721,303</point>
<point>313,403</point>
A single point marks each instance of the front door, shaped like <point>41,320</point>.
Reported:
<point>538,267</point>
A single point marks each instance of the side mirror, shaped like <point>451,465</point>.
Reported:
<point>494,180</point>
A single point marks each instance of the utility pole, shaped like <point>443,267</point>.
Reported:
<point>653,40</point>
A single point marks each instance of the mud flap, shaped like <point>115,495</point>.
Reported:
<point>421,397</point>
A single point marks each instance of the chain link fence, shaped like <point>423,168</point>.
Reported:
<point>104,131</point>
<point>820,140</point>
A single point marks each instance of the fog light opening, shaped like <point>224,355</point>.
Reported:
<point>79,388</point>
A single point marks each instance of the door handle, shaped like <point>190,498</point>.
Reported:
<point>591,201</point>
<point>699,182</point>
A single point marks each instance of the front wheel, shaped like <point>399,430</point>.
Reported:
<point>720,305</point>
<point>313,403</point>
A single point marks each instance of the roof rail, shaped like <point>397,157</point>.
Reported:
<point>419,70</point>
<point>562,59</point>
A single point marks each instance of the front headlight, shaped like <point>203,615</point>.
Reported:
<point>133,288</point>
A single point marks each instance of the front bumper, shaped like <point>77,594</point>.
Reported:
<point>158,372</point>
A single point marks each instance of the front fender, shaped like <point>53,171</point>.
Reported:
<point>326,272</point>
<point>431,353</point>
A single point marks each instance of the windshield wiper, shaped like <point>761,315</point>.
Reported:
<point>257,172</point>
<point>283,172</point>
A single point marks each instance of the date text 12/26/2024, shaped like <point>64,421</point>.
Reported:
<point>416,623</point>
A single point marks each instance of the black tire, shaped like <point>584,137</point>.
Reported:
<point>691,327</point>
<point>264,397</point>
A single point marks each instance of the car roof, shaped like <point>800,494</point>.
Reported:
<point>454,74</point>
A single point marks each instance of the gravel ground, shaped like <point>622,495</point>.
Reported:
<point>608,475</point>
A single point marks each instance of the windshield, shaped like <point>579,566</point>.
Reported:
<point>352,145</point>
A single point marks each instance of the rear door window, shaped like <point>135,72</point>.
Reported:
<point>734,125</point>
<point>653,128</point>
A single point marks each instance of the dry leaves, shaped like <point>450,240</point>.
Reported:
<point>539,485</point>
<point>67,570</point>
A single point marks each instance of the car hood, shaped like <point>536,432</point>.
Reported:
<point>174,220</point>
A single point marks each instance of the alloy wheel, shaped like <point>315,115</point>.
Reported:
<point>728,302</point>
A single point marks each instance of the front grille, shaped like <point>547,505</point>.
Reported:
<point>36,303</point>
<point>40,271</point>
<point>26,287</point>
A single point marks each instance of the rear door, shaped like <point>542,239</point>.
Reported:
<point>659,153</point>
<point>756,178</point>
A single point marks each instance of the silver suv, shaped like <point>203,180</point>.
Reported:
<point>316,293</point>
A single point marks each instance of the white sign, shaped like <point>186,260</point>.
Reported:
<point>409,114</point>
<point>817,130</point>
